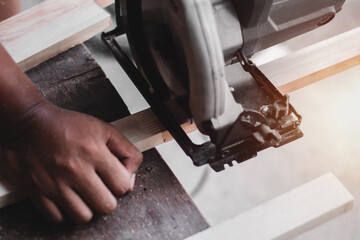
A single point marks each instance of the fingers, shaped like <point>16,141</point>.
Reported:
<point>97,195</point>
<point>48,208</point>
<point>64,198</point>
<point>74,206</point>
<point>114,174</point>
<point>130,156</point>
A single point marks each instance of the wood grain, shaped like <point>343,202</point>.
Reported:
<point>287,215</point>
<point>50,28</point>
<point>315,62</point>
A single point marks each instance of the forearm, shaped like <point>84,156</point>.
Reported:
<point>50,152</point>
<point>18,95</point>
<point>9,8</point>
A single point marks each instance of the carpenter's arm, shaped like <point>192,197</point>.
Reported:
<point>68,163</point>
<point>9,8</point>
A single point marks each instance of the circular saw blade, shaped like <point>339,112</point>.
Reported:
<point>156,48</point>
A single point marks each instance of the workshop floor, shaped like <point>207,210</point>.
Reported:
<point>331,114</point>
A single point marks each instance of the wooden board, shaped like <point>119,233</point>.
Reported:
<point>158,208</point>
<point>315,62</point>
<point>287,215</point>
<point>144,130</point>
<point>50,28</point>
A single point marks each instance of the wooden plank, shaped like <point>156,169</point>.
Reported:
<point>144,130</point>
<point>50,28</point>
<point>315,62</point>
<point>157,208</point>
<point>287,215</point>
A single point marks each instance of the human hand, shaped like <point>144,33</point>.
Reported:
<point>70,163</point>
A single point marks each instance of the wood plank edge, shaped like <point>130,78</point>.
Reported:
<point>263,221</point>
<point>65,44</point>
<point>320,75</point>
<point>11,197</point>
<point>318,221</point>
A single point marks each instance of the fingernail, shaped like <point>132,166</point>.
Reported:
<point>132,181</point>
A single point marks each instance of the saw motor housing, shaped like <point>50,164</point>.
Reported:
<point>182,49</point>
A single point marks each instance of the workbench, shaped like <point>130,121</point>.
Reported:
<point>158,208</point>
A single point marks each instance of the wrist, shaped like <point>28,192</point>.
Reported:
<point>21,123</point>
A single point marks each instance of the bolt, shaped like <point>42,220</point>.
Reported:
<point>225,153</point>
<point>326,19</point>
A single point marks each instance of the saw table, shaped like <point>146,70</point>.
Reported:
<point>157,208</point>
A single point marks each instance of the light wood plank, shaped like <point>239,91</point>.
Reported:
<point>287,215</point>
<point>315,62</point>
<point>144,130</point>
<point>50,28</point>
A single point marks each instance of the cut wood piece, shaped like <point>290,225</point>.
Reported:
<point>50,28</point>
<point>144,130</point>
<point>287,215</point>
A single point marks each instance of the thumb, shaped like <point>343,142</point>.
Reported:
<point>121,147</point>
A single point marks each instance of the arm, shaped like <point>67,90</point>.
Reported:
<point>67,162</point>
<point>9,8</point>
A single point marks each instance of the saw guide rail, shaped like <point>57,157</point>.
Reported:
<point>348,53</point>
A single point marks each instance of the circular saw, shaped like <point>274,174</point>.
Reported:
<point>181,50</point>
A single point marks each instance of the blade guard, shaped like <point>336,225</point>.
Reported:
<point>209,95</point>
